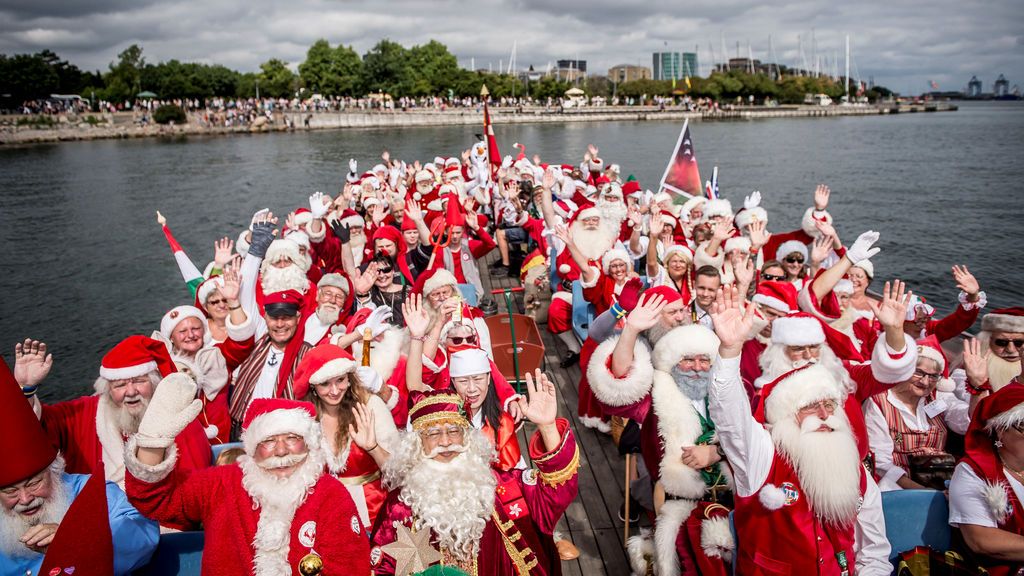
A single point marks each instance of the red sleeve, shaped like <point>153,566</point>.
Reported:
<point>193,448</point>
<point>867,385</point>
<point>480,248</point>
<point>550,496</point>
<point>60,421</point>
<point>236,351</point>
<point>182,499</point>
<point>951,326</point>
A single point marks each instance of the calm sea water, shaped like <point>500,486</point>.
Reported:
<point>85,264</point>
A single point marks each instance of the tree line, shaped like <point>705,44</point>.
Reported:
<point>339,71</point>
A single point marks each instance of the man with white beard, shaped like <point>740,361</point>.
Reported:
<point>666,392</point>
<point>36,492</point>
<point>804,502</point>
<point>1003,334</point>
<point>273,512</point>
<point>333,299</point>
<point>480,520</point>
<point>92,429</point>
<point>439,287</point>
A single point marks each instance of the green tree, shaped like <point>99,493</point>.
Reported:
<point>275,79</point>
<point>331,71</point>
<point>27,77</point>
<point>385,68</point>
<point>124,80</point>
<point>432,70</point>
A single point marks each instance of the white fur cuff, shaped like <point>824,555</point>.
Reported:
<point>624,391</point>
<point>716,538</point>
<point>145,472</point>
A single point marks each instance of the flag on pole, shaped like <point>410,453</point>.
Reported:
<point>492,143</point>
<point>682,176</point>
<point>711,186</point>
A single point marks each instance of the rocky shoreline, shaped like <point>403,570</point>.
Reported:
<point>122,125</point>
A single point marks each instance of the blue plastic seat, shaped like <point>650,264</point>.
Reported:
<point>582,312</point>
<point>916,518</point>
<point>218,448</point>
<point>469,294</point>
<point>177,554</point>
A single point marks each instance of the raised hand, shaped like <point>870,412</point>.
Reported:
<point>413,211</point>
<point>743,270</point>
<point>416,317</point>
<point>548,180</point>
<point>722,229</point>
<point>31,362</point>
<point>541,405</point>
<point>975,362</point>
<point>385,156</point>
<point>592,150</point>
<point>819,251</point>
<point>160,219</point>
<point>319,204</point>
<point>289,222</point>
<point>352,165</point>
<point>821,196</point>
<point>380,212</point>
<point>758,236</point>
<point>232,284</point>
<point>562,233</point>
<point>363,282</point>
<point>378,320</point>
<point>222,251</point>
<point>825,229</point>
<point>173,406</point>
<point>892,310</point>
<point>732,323</point>
<point>646,314</point>
<point>966,281</point>
<point>341,231</point>
<point>752,201</point>
<point>657,227</point>
<point>362,430</point>
<point>862,247</point>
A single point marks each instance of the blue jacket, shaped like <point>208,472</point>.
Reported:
<point>135,537</point>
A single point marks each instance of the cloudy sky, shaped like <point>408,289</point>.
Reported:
<point>902,45</point>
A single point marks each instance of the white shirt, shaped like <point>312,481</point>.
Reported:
<point>967,503</point>
<point>955,413</point>
<point>703,318</point>
<point>266,386</point>
<point>750,451</point>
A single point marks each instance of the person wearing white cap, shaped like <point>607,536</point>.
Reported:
<point>1002,332</point>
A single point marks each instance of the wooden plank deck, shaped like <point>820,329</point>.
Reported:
<point>592,520</point>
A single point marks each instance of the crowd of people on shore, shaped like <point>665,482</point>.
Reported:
<point>340,346</point>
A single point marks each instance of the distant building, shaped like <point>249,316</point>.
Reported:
<point>755,66</point>
<point>678,65</point>
<point>570,70</point>
<point>628,73</point>
<point>1001,88</point>
<point>974,87</point>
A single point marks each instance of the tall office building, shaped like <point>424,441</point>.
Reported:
<point>678,65</point>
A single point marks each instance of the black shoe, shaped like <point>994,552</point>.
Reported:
<point>514,271</point>
<point>498,266</point>
<point>635,509</point>
<point>571,359</point>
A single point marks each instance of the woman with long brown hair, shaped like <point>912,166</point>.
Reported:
<point>358,431</point>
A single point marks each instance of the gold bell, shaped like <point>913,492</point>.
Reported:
<point>311,564</point>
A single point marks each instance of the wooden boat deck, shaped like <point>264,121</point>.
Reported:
<point>592,520</point>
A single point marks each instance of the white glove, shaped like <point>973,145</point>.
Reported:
<point>861,249</point>
<point>213,370</point>
<point>257,215</point>
<point>352,165</point>
<point>506,162</point>
<point>960,377</point>
<point>317,206</point>
<point>377,321</point>
<point>369,378</point>
<point>172,408</point>
<point>752,201</point>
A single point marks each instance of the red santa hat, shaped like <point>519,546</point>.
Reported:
<point>997,412</point>
<point>565,208</point>
<point>395,237</point>
<point>319,365</point>
<point>799,329</point>
<point>352,219</point>
<point>918,308</point>
<point>453,215</point>
<point>586,209</point>
<point>136,356</point>
<point>357,320</point>
<point>781,296</point>
<point>268,417</point>
<point>283,248</point>
<point>436,408</point>
<point>810,216</point>
<point>611,256</point>
<point>741,243</point>
<point>434,279</point>
<point>469,362</point>
<point>790,246</point>
<point>631,188</point>
<point>930,348</point>
<point>717,207</point>
<point>1004,320</point>
<point>668,293</point>
<point>302,217</point>
<point>175,315</point>
<point>83,542</point>
<point>683,341</point>
<point>787,394</point>
<point>27,449</point>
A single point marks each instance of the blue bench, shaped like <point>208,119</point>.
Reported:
<point>218,448</point>
<point>916,518</point>
<point>177,554</point>
<point>468,292</point>
<point>582,312</point>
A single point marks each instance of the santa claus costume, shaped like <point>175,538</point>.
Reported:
<point>519,508</point>
<point>87,430</point>
<point>255,522</point>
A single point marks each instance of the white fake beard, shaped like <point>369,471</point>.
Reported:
<point>327,314</point>
<point>357,244</point>
<point>593,243</point>
<point>384,355</point>
<point>280,279</point>
<point>1000,372</point>
<point>613,213</point>
<point>454,499</point>
<point>692,383</point>
<point>827,464</point>
<point>13,525</point>
<point>775,363</point>
<point>127,423</point>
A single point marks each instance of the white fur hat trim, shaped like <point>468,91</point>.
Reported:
<point>290,421</point>
<point>797,331</point>
<point>332,369</point>
<point>175,315</point>
<point>790,246</point>
<point>613,255</point>
<point>441,277</point>
<point>802,388</point>
<point>689,340</point>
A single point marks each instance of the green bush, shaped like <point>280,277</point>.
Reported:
<point>169,113</point>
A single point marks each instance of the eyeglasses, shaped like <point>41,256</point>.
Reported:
<point>31,485</point>
<point>216,302</point>
<point>772,277</point>
<point>922,375</point>
<point>829,406</point>
<point>290,440</point>
<point>459,340</point>
<point>1004,342</point>
<point>802,349</point>
<point>794,260</point>
<point>453,432</point>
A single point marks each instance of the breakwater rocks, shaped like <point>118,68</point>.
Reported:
<point>28,130</point>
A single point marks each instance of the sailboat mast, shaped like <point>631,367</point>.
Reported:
<point>847,82</point>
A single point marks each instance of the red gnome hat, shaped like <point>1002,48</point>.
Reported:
<point>454,215</point>
<point>83,542</point>
<point>27,449</point>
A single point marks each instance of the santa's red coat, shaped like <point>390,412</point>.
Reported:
<point>215,499</point>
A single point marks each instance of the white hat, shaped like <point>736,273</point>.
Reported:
<point>867,267</point>
<point>689,340</point>
<point>741,243</point>
<point>801,388</point>
<point>468,362</point>
<point>175,315</point>
<point>798,330</point>
<point>790,246</point>
<point>717,207</point>
<point>613,255</point>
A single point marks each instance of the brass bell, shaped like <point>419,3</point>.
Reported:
<point>311,564</point>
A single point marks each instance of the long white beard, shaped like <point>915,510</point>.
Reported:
<point>280,279</point>
<point>775,363</point>
<point>827,464</point>
<point>13,525</point>
<point>384,355</point>
<point>612,213</point>
<point>693,384</point>
<point>1000,372</point>
<point>593,243</point>
<point>357,246</point>
<point>327,314</point>
<point>126,422</point>
<point>454,499</point>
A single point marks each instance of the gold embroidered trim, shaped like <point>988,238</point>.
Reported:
<point>553,453</point>
<point>424,422</point>
<point>559,477</point>
<point>517,557</point>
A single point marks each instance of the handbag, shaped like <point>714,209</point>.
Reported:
<point>932,470</point>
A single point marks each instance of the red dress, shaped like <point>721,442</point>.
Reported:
<point>507,444</point>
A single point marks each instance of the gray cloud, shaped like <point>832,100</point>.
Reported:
<point>900,44</point>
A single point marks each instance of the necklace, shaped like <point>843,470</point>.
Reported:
<point>1018,474</point>
<point>272,361</point>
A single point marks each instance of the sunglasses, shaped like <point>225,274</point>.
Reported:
<point>1004,342</point>
<point>384,270</point>
<point>459,340</point>
<point>216,302</point>
<point>794,260</point>
<point>772,277</point>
